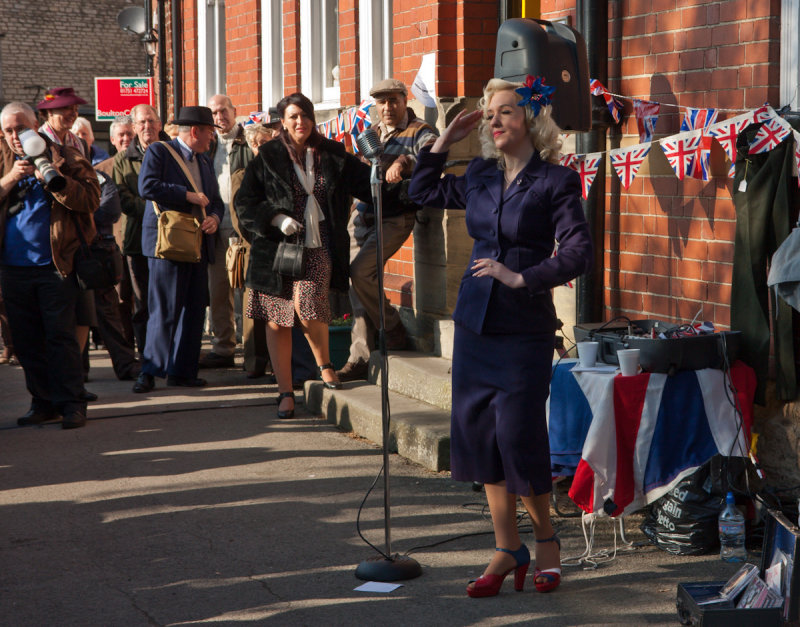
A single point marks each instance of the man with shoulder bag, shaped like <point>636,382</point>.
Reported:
<point>48,194</point>
<point>183,206</point>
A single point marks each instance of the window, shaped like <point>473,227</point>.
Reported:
<point>271,53</point>
<point>375,42</point>
<point>790,54</point>
<point>210,48</point>
<point>319,51</point>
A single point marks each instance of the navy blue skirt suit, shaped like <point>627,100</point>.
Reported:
<point>504,337</point>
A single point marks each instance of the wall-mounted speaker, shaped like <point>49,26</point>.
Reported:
<point>555,51</point>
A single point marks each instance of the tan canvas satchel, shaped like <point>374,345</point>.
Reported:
<point>179,235</point>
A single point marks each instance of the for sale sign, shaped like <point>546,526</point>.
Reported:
<point>117,96</point>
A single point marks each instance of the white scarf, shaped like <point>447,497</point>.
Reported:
<point>313,214</point>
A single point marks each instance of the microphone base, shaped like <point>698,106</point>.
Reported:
<point>399,568</point>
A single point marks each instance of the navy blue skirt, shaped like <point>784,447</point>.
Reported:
<point>498,428</point>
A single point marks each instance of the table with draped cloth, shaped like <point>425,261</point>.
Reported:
<point>629,440</point>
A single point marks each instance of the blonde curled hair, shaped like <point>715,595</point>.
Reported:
<point>543,130</point>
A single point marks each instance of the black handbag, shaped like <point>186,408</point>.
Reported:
<point>290,259</point>
<point>97,265</point>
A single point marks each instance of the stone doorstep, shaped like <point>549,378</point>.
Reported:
<point>418,431</point>
<point>420,376</point>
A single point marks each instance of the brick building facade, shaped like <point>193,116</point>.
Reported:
<point>52,43</point>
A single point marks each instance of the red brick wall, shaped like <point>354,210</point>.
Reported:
<point>243,54</point>
<point>349,79</point>
<point>669,243</point>
<point>189,52</point>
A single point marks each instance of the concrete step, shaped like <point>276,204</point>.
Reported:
<point>418,431</point>
<point>420,376</point>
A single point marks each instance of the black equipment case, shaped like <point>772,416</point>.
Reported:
<point>668,355</point>
<point>779,535</point>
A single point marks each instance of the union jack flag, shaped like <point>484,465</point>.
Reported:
<point>614,106</point>
<point>797,155</point>
<point>771,133</point>
<point>363,114</point>
<point>568,159</point>
<point>679,150</point>
<point>341,127</point>
<point>726,132</point>
<point>256,117</point>
<point>693,120</point>
<point>646,117</point>
<point>355,126</point>
<point>762,114</point>
<point>627,161</point>
<point>586,166</point>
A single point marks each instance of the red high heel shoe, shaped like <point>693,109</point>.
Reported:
<point>552,576</point>
<point>489,585</point>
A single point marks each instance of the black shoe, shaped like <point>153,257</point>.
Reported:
<point>144,383</point>
<point>331,385</point>
<point>87,396</point>
<point>353,371</point>
<point>213,360</point>
<point>185,382</point>
<point>289,413</point>
<point>73,420</point>
<point>36,417</point>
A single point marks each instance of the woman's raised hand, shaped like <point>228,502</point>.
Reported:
<point>461,126</point>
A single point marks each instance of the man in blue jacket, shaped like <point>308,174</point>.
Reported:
<point>178,291</point>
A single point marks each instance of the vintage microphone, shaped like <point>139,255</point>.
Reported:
<point>389,567</point>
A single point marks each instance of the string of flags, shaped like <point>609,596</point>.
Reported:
<point>688,151</point>
<point>346,126</point>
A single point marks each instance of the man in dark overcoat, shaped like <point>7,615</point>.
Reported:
<point>178,291</point>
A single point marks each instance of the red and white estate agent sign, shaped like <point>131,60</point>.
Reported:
<point>117,96</point>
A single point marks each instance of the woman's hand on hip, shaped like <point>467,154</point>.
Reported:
<point>495,269</point>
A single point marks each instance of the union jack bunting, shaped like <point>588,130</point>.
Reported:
<point>587,167</point>
<point>614,105</point>
<point>627,161</point>
<point>341,127</point>
<point>363,114</point>
<point>762,114</point>
<point>355,126</point>
<point>646,118</point>
<point>256,117</point>
<point>797,156</point>
<point>725,132</point>
<point>693,120</point>
<point>771,133</point>
<point>569,159</point>
<point>679,150</point>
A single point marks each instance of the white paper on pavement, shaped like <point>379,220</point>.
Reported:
<point>424,86</point>
<point>377,586</point>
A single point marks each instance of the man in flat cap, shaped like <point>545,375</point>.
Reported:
<point>403,136</point>
<point>178,290</point>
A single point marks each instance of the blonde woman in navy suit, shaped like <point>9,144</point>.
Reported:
<point>518,203</point>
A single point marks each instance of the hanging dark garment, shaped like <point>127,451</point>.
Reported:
<point>764,215</point>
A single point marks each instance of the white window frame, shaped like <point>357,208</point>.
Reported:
<point>271,53</point>
<point>375,43</point>
<point>315,32</point>
<point>210,49</point>
<point>790,54</point>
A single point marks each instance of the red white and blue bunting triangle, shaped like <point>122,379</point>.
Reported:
<point>680,150</point>
<point>627,161</point>
<point>586,166</point>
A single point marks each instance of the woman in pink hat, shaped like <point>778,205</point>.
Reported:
<point>60,108</point>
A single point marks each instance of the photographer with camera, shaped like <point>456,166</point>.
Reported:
<point>38,240</point>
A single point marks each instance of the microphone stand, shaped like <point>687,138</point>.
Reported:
<point>396,567</point>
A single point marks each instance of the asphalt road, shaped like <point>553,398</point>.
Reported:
<point>200,507</point>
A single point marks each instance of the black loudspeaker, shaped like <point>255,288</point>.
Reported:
<point>555,51</point>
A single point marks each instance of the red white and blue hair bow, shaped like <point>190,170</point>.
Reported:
<point>535,94</point>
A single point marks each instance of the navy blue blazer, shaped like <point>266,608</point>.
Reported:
<point>162,179</point>
<point>519,228</point>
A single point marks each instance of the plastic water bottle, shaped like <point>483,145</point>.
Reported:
<point>731,532</point>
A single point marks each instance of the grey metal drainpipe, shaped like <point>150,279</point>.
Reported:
<point>592,23</point>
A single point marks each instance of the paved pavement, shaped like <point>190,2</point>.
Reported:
<point>199,507</point>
